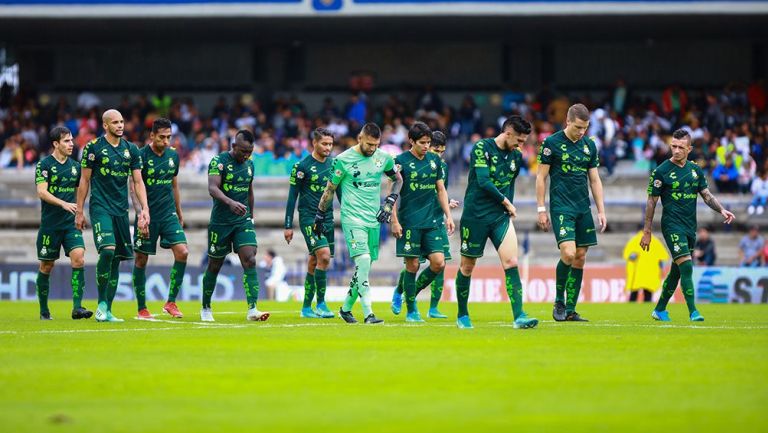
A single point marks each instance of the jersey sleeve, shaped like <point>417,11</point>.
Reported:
<point>655,183</point>
<point>339,171</point>
<point>702,180</point>
<point>297,175</point>
<point>594,160</point>
<point>478,158</point>
<point>89,155</point>
<point>41,173</point>
<point>177,163</point>
<point>440,171</point>
<point>545,152</point>
<point>136,159</point>
<point>215,167</point>
<point>79,173</point>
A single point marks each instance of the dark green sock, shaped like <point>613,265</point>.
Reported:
<point>309,290</point>
<point>409,286</point>
<point>514,290</point>
<point>140,286</point>
<point>573,288</point>
<point>114,276</point>
<point>462,293</point>
<point>321,281</point>
<point>251,285</point>
<point>78,284</point>
<point>686,282</point>
<point>437,289</point>
<point>43,285</point>
<point>561,275</point>
<point>668,287</point>
<point>103,269</point>
<point>177,278</point>
<point>400,289</point>
<point>209,285</point>
<point>425,279</point>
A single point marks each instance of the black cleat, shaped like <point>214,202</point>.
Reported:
<point>81,313</point>
<point>575,317</point>
<point>558,312</point>
<point>371,319</point>
<point>347,316</point>
<point>46,315</point>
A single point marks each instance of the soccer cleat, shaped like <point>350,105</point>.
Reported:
<point>397,303</point>
<point>662,316</point>
<point>323,311</point>
<point>575,317</point>
<point>463,322</point>
<point>558,312</point>
<point>81,313</point>
<point>113,319</point>
<point>206,314</point>
<point>307,313</point>
<point>372,320</point>
<point>46,315</point>
<point>696,316</point>
<point>144,314</point>
<point>172,309</point>
<point>347,316</point>
<point>256,315</point>
<point>414,317</point>
<point>435,314</point>
<point>101,312</point>
<point>525,322</point>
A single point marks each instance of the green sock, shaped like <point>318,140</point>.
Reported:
<point>140,286</point>
<point>321,281</point>
<point>352,293</point>
<point>437,289</point>
<point>78,283</point>
<point>114,276</point>
<point>209,285</point>
<point>425,279</point>
<point>409,286</point>
<point>309,290</point>
<point>400,289</point>
<point>251,285</point>
<point>686,282</point>
<point>462,292</point>
<point>103,269</point>
<point>668,287</point>
<point>514,290</point>
<point>177,278</point>
<point>43,285</point>
<point>573,288</point>
<point>561,275</point>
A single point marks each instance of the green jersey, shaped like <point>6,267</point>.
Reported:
<point>111,165</point>
<point>158,172</point>
<point>359,178</point>
<point>62,180</point>
<point>492,174</point>
<point>438,212</point>
<point>418,198</point>
<point>679,188</point>
<point>236,182</point>
<point>308,180</point>
<point>568,163</point>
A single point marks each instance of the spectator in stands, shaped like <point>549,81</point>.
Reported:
<point>726,176</point>
<point>751,249</point>
<point>276,273</point>
<point>704,252</point>
<point>759,194</point>
<point>356,109</point>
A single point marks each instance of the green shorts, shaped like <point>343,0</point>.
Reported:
<point>362,240</point>
<point>168,229</point>
<point>114,231</point>
<point>474,235</point>
<point>574,227</point>
<point>679,243</point>
<point>314,243</point>
<point>49,243</point>
<point>420,242</point>
<point>223,239</point>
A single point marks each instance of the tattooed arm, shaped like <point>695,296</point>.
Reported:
<point>327,196</point>
<point>650,210</point>
<point>715,205</point>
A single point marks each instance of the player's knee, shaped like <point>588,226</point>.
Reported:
<point>140,261</point>
<point>214,266</point>
<point>412,266</point>
<point>363,261</point>
<point>510,263</point>
<point>181,253</point>
<point>467,268</point>
<point>77,260</point>
<point>248,261</point>
<point>437,264</point>
<point>568,255</point>
<point>46,267</point>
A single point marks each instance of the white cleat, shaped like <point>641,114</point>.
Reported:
<point>256,315</point>
<point>206,315</point>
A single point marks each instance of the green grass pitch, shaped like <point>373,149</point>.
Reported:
<point>622,372</point>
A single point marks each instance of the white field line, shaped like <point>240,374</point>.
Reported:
<point>645,325</point>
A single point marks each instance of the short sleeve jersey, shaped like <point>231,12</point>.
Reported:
<point>568,163</point>
<point>678,188</point>
<point>418,196</point>
<point>111,167</point>
<point>438,212</point>
<point>236,182</point>
<point>503,167</point>
<point>62,180</point>
<point>158,172</point>
<point>311,176</point>
<point>359,178</point>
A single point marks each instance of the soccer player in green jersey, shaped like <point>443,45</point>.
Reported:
<point>230,183</point>
<point>307,183</point>
<point>678,182</point>
<point>414,224</point>
<point>159,172</point>
<point>494,165</point>
<point>56,178</point>
<point>570,160</point>
<point>437,146</point>
<point>107,163</point>
<point>357,171</point>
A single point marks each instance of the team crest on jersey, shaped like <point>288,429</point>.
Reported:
<point>250,171</point>
<point>586,149</point>
<point>171,163</point>
<point>126,154</point>
<point>694,174</point>
<point>379,162</point>
<point>512,165</point>
<point>74,171</point>
<point>300,174</point>
<point>546,151</point>
<point>433,165</point>
<point>657,183</point>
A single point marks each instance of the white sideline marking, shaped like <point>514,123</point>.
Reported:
<point>644,325</point>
